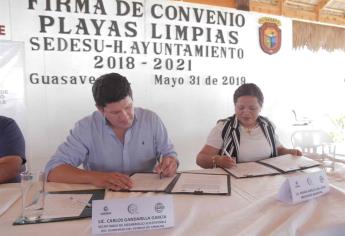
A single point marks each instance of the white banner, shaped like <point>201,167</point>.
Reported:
<point>183,60</point>
<point>12,88</point>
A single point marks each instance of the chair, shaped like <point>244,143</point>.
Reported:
<point>304,121</point>
<point>316,144</point>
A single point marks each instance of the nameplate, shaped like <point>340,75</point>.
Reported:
<point>132,214</point>
<point>303,187</point>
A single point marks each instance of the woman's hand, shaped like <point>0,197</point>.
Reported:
<point>295,152</point>
<point>283,151</point>
<point>208,158</point>
<point>224,161</point>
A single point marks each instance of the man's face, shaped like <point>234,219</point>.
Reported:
<point>247,109</point>
<point>119,114</point>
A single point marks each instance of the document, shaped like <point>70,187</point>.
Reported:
<point>8,197</point>
<point>251,169</point>
<point>150,182</point>
<point>272,166</point>
<point>202,184</point>
<point>65,205</point>
<point>193,183</point>
<point>287,163</point>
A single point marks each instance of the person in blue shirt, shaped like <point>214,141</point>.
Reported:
<point>113,142</point>
<point>12,150</point>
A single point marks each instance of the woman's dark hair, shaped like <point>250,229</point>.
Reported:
<point>249,90</point>
<point>110,88</point>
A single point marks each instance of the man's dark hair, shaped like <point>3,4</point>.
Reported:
<point>249,90</point>
<point>110,88</point>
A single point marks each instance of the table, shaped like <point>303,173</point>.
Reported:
<point>252,209</point>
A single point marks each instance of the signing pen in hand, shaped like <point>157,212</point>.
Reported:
<point>233,159</point>
<point>159,162</point>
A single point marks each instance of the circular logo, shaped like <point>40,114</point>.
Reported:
<point>105,208</point>
<point>322,179</point>
<point>309,181</point>
<point>297,185</point>
<point>132,209</point>
<point>159,207</point>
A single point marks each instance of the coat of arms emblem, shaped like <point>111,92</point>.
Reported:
<point>270,35</point>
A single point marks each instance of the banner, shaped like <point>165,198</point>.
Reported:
<point>184,62</point>
<point>12,88</point>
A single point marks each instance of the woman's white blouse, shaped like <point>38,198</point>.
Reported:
<point>253,146</point>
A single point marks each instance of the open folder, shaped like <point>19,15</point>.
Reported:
<point>272,166</point>
<point>66,205</point>
<point>189,183</point>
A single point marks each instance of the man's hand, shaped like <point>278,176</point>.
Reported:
<point>113,180</point>
<point>9,167</point>
<point>69,174</point>
<point>167,167</point>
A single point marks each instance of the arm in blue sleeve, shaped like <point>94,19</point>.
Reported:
<point>164,145</point>
<point>73,151</point>
<point>13,141</point>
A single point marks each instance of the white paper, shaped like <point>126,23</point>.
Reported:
<point>8,197</point>
<point>65,205</point>
<point>150,182</point>
<point>290,163</point>
<point>132,214</point>
<point>202,183</point>
<point>249,169</point>
<point>303,187</point>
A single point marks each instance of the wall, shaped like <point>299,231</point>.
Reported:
<point>61,66</point>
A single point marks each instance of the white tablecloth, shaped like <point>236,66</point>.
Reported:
<point>252,209</point>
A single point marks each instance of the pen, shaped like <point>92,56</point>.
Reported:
<point>227,154</point>
<point>159,162</point>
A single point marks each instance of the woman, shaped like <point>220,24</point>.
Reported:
<point>243,137</point>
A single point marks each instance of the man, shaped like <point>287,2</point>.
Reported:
<point>113,142</point>
<point>12,150</point>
